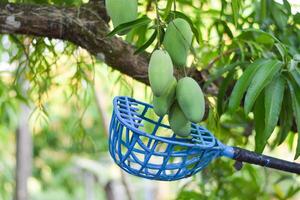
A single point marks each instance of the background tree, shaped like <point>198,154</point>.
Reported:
<point>248,104</point>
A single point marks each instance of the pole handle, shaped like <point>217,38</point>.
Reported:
<point>251,157</point>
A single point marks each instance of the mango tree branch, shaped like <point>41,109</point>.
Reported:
<point>85,26</point>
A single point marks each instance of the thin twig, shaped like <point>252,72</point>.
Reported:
<point>216,59</point>
<point>158,23</point>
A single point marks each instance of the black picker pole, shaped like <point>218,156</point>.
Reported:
<point>243,155</point>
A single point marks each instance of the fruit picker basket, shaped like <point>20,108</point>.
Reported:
<point>146,147</point>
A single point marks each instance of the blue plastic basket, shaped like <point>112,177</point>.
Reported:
<point>148,148</point>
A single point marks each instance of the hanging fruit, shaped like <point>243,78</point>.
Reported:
<point>178,122</point>
<point>160,72</point>
<point>162,104</point>
<point>190,99</point>
<point>177,41</point>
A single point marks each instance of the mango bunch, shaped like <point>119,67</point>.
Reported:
<point>183,101</point>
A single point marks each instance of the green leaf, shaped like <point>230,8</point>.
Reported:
<point>279,16</point>
<point>265,39</point>
<point>178,14</point>
<point>146,44</point>
<point>297,18</point>
<point>247,33</point>
<point>235,5</point>
<point>261,79</point>
<point>273,101</point>
<point>296,108</point>
<point>286,118</point>
<point>129,25</point>
<point>243,83</point>
<point>259,123</point>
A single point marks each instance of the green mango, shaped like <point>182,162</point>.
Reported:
<point>162,104</point>
<point>190,99</point>
<point>178,40</point>
<point>122,11</point>
<point>178,122</point>
<point>160,72</point>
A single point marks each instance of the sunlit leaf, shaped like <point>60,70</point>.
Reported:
<point>243,83</point>
<point>263,76</point>
<point>273,101</point>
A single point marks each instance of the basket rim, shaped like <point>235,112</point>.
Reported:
<point>178,141</point>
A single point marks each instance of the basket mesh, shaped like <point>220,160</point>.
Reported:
<point>146,147</point>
